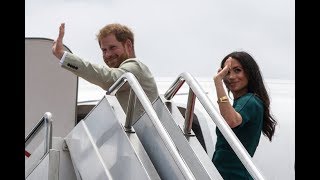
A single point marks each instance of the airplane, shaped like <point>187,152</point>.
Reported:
<point>64,141</point>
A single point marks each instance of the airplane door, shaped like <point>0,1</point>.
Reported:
<point>48,88</point>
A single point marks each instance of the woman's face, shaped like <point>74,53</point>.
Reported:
<point>236,80</point>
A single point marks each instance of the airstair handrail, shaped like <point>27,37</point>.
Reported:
<point>45,121</point>
<point>141,95</point>
<point>195,88</point>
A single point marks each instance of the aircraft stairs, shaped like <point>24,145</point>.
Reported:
<point>108,144</point>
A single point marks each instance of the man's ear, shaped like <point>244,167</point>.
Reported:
<point>129,44</point>
<point>129,47</point>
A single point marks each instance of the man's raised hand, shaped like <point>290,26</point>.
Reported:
<point>57,47</point>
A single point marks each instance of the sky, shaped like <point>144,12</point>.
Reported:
<point>175,36</point>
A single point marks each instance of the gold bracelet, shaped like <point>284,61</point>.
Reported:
<point>223,99</point>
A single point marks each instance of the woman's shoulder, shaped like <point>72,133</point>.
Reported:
<point>250,100</point>
<point>250,97</point>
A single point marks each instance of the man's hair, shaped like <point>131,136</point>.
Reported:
<point>121,32</point>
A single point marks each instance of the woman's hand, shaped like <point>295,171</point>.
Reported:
<point>222,73</point>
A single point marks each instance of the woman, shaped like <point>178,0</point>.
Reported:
<point>248,116</point>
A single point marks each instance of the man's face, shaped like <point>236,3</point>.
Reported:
<point>113,51</point>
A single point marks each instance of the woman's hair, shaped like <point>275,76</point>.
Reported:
<point>255,86</point>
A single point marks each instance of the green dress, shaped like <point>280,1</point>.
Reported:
<point>248,132</point>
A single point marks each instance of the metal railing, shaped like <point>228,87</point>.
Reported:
<point>137,91</point>
<point>196,90</point>
<point>45,121</point>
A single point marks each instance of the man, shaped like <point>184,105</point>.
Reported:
<point>117,45</point>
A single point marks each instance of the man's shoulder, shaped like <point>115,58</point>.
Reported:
<point>132,62</point>
<point>136,67</point>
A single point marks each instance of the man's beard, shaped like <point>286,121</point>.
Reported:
<point>115,62</point>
